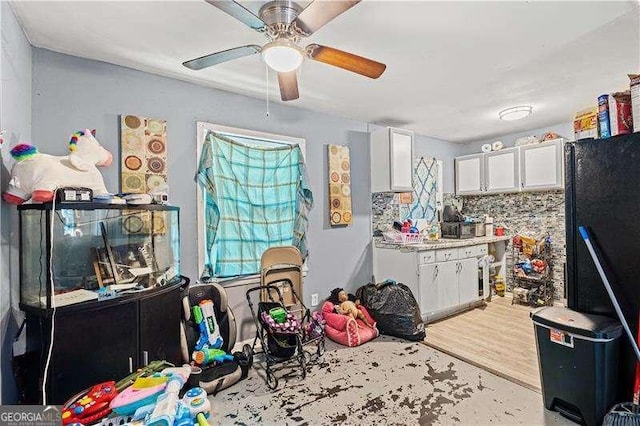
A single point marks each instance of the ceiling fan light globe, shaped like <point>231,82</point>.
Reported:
<point>282,57</point>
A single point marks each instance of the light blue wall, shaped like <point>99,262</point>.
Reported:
<point>15,118</point>
<point>563,129</point>
<point>442,150</point>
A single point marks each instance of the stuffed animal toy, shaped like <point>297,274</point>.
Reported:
<point>347,304</point>
<point>36,176</point>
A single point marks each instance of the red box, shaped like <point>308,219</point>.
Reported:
<point>621,120</point>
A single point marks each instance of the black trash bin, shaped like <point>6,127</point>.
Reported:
<point>578,359</point>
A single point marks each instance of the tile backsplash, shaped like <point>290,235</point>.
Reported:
<point>526,213</point>
<point>385,209</point>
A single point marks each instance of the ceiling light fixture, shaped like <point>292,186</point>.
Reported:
<point>282,56</point>
<point>516,113</point>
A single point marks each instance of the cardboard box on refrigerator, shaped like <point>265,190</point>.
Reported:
<point>621,122</point>
<point>585,124</point>
<point>604,121</point>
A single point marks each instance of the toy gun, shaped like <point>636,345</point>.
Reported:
<point>209,355</point>
<point>204,316</point>
<point>146,390</point>
<point>154,399</point>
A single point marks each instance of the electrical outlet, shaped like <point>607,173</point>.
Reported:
<point>314,299</point>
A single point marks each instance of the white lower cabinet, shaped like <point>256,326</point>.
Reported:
<point>429,295</point>
<point>468,281</point>
<point>442,281</point>
<point>447,282</point>
<point>444,286</point>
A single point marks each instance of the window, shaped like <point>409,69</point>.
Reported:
<point>216,215</point>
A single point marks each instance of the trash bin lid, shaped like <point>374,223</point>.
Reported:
<point>578,323</point>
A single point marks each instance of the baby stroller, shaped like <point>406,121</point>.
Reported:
<point>284,342</point>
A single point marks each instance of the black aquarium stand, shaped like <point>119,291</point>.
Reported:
<point>97,341</point>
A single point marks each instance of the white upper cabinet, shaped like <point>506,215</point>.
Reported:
<point>542,166</point>
<point>469,174</point>
<point>502,171</point>
<point>536,167</point>
<point>391,160</point>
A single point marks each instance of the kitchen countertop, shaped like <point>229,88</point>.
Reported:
<point>443,243</point>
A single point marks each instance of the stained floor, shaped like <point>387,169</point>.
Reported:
<point>386,381</point>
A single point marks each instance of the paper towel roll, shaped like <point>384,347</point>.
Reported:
<point>497,145</point>
<point>486,147</point>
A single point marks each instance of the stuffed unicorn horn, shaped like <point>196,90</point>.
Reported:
<point>36,176</point>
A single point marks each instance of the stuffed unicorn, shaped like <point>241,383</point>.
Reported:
<point>36,176</point>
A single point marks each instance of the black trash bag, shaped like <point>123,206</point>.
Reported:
<point>394,308</point>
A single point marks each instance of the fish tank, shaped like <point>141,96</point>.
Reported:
<point>80,252</point>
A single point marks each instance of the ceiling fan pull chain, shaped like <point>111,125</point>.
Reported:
<point>266,71</point>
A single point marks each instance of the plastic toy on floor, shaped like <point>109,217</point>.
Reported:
<point>36,176</point>
<point>167,404</point>
<point>193,408</point>
<point>346,330</point>
<point>93,404</point>
<point>145,391</point>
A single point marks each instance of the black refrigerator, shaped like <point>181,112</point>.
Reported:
<point>602,183</point>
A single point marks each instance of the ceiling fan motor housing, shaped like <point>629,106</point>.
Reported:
<point>279,12</point>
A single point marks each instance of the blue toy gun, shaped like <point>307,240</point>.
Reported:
<point>204,316</point>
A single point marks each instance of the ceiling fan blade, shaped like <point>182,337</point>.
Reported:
<point>318,13</point>
<point>223,56</point>
<point>346,60</point>
<point>239,12</point>
<point>288,85</point>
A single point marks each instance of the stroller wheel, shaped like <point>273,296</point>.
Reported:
<point>303,363</point>
<point>272,380</point>
<point>245,358</point>
<point>320,350</point>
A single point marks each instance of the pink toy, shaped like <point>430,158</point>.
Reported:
<point>130,399</point>
<point>346,330</point>
<point>290,326</point>
<point>36,176</point>
<point>146,390</point>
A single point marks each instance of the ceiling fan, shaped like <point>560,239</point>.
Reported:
<point>285,23</point>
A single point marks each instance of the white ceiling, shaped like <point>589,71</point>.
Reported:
<point>451,66</point>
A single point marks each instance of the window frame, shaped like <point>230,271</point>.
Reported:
<point>202,128</point>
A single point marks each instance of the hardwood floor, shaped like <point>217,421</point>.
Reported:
<point>498,337</point>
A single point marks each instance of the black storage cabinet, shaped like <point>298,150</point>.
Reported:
<point>578,358</point>
<point>96,341</point>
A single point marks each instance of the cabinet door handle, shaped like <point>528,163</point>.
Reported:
<point>145,358</point>
<point>436,272</point>
<point>130,365</point>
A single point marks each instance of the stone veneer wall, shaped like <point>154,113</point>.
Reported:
<point>527,213</point>
<point>385,209</point>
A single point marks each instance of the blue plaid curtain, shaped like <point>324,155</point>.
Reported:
<point>256,197</point>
